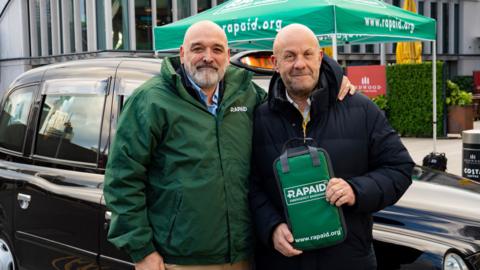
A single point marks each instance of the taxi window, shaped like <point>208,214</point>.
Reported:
<point>14,117</point>
<point>126,88</point>
<point>71,115</point>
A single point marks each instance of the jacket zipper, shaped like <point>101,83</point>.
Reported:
<point>218,117</point>
<point>217,134</point>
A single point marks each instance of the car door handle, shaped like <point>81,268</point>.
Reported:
<point>24,200</point>
<point>108,217</point>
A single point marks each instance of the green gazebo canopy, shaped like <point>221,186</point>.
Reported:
<point>253,24</point>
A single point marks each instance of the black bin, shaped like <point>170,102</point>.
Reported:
<point>471,154</point>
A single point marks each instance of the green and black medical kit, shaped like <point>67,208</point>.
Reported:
<point>302,174</point>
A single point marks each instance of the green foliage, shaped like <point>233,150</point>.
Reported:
<point>381,102</point>
<point>457,96</point>
<point>464,82</point>
<point>409,92</point>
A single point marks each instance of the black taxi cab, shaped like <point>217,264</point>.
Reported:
<point>56,125</point>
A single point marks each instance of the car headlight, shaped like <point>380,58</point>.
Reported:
<point>454,262</point>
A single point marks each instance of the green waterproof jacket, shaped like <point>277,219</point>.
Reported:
<point>177,176</point>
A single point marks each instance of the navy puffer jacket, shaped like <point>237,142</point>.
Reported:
<point>364,150</point>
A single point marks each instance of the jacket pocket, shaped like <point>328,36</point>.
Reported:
<point>173,217</point>
<point>199,226</point>
<point>163,212</point>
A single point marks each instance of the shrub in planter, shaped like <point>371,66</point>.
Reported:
<point>460,109</point>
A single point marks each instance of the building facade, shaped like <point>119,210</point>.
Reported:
<point>38,32</point>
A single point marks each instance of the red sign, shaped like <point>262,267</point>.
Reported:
<point>370,80</point>
<point>476,81</point>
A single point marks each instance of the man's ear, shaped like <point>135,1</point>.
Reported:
<point>320,55</point>
<point>274,62</point>
<point>182,53</point>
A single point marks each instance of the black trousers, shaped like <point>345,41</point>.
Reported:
<point>313,260</point>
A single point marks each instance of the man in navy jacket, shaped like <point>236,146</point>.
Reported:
<point>372,167</point>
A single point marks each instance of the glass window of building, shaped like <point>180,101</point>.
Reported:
<point>49,28</point>
<point>433,10</point>
<point>421,8</point>
<point>143,24</point>
<point>164,12</point>
<point>446,31</point>
<point>456,24</point>
<point>355,48</point>
<point>204,5</point>
<point>83,22</point>
<point>101,35</point>
<point>66,26</point>
<point>421,11</point>
<point>183,9</point>
<point>396,3</point>
<point>369,48</point>
<point>120,24</point>
<point>14,117</point>
<point>60,26</point>
<point>36,10</point>
<point>71,26</point>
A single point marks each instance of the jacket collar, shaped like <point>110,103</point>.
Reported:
<point>172,71</point>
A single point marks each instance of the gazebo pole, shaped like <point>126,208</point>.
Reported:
<point>434,80</point>
<point>334,47</point>
<point>383,58</point>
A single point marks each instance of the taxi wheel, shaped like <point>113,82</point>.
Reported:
<point>7,262</point>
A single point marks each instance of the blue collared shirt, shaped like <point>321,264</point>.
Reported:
<point>212,108</point>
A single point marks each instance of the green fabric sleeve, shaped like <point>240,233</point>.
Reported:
<point>138,255</point>
<point>126,178</point>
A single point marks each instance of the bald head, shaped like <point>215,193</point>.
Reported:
<point>294,31</point>
<point>204,27</point>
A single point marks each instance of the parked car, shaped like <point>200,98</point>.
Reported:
<point>56,125</point>
<point>435,225</point>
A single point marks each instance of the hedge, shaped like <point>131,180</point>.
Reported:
<point>409,94</point>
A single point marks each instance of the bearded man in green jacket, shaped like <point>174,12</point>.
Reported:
<point>177,175</point>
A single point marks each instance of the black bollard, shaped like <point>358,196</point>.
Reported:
<point>471,154</point>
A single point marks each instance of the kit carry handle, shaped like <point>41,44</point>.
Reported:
<point>312,150</point>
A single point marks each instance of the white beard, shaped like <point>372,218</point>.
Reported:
<point>205,77</point>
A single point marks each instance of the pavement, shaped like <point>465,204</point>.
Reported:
<point>451,146</point>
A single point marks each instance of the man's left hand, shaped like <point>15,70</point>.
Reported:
<point>339,192</point>
<point>346,88</point>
